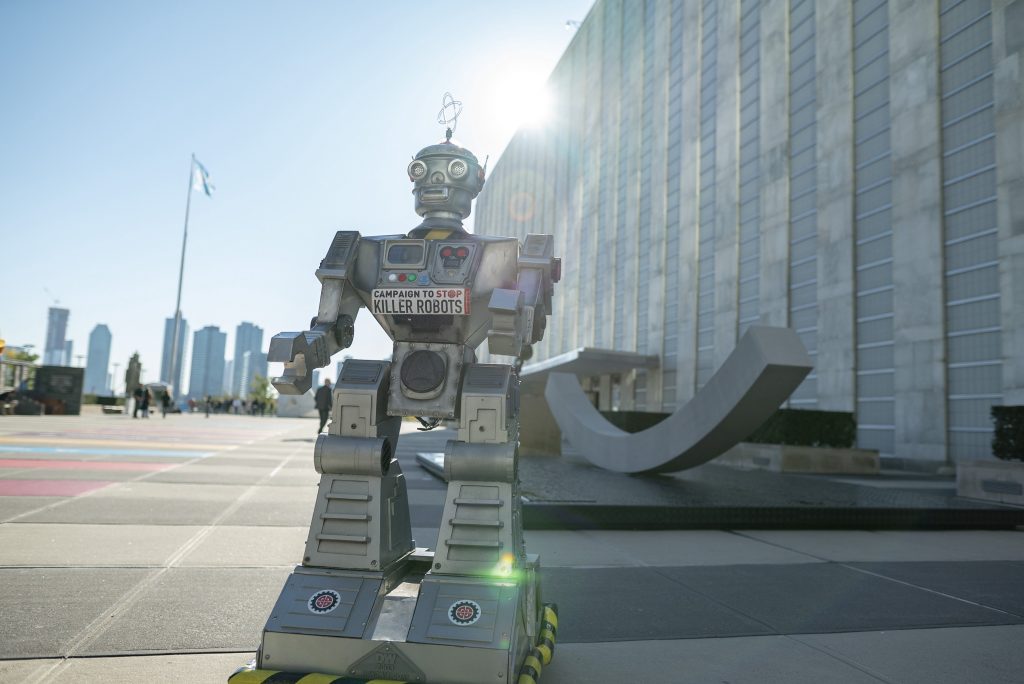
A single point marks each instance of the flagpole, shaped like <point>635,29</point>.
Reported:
<point>181,272</point>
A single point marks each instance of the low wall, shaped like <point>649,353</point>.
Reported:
<point>998,481</point>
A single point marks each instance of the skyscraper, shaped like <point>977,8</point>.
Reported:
<point>56,326</point>
<point>165,359</point>
<point>253,364</point>
<point>229,370</point>
<point>248,338</point>
<point>207,362</point>
<point>97,361</point>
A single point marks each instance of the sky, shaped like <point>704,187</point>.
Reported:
<point>305,114</point>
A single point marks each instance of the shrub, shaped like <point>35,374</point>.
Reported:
<point>801,427</point>
<point>1008,438</point>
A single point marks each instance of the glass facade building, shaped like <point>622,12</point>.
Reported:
<point>248,340</point>
<point>56,352</point>
<point>852,170</point>
<point>98,361</point>
<point>207,376</point>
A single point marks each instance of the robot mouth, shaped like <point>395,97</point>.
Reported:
<point>434,195</point>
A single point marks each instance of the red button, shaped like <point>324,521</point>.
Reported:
<point>446,252</point>
<point>462,253</point>
<point>401,277</point>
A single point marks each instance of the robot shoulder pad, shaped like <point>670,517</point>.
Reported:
<point>340,255</point>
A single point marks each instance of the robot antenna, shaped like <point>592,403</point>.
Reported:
<point>449,115</point>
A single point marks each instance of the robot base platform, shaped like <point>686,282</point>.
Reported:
<point>405,625</point>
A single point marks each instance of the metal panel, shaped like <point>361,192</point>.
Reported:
<point>490,613</point>
<point>327,603</point>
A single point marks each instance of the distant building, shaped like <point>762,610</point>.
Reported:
<point>56,327</point>
<point>248,338</point>
<point>253,364</point>
<point>68,346</point>
<point>207,373</point>
<point>165,359</point>
<point>225,383</point>
<point>98,361</point>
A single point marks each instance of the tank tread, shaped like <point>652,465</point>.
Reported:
<point>541,654</point>
<point>248,675</point>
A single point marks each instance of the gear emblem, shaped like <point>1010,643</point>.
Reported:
<point>323,601</point>
<point>464,612</point>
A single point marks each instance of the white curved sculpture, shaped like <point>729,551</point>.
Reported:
<point>762,371</point>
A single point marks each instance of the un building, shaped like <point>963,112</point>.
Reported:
<point>851,170</point>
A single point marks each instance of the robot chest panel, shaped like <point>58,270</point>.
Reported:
<point>425,278</point>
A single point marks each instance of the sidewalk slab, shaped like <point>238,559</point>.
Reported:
<point>740,660</point>
<point>195,668</point>
<point>244,546</point>
<point>656,547</point>
<point>51,545</point>
<point>992,655</point>
<point>994,584</point>
<point>894,545</point>
<point>45,609</point>
<point>194,609</point>
<point>827,597</point>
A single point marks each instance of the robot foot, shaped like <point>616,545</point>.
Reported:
<point>529,673</point>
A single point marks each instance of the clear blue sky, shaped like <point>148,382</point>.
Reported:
<point>305,114</point>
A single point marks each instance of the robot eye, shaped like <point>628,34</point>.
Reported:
<point>457,168</point>
<point>417,170</point>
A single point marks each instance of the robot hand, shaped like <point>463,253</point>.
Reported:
<point>301,352</point>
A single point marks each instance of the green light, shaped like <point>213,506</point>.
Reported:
<point>412,277</point>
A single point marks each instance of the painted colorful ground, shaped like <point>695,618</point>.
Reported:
<point>153,550</point>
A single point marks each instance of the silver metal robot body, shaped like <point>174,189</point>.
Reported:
<point>365,602</point>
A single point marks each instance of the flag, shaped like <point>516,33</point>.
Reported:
<point>201,178</point>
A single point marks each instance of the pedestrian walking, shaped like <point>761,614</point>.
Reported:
<point>136,401</point>
<point>165,403</point>
<point>324,402</point>
<point>147,396</point>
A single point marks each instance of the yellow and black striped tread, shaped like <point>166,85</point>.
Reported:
<point>541,654</point>
<point>276,677</point>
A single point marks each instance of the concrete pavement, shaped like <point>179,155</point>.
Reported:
<point>136,550</point>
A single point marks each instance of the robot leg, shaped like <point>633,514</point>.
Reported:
<point>334,605</point>
<point>483,589</point>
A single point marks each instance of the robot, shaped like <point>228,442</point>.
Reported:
<point>366,603</point>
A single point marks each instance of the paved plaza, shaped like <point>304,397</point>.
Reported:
<point>153,550</point>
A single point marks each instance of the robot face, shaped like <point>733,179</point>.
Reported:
<point>446,178</point>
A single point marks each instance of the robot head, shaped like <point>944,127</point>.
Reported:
<point>446,178</point>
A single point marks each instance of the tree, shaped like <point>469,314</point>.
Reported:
<point>20,354</point>
<point>262,391</point>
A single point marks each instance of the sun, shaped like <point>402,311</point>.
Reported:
<point>519,98</point>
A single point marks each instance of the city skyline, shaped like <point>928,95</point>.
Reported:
<point>253,334</point>
<point>107,104</point>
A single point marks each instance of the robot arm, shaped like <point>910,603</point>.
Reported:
<point>519,316</point>
<point>331,329</point>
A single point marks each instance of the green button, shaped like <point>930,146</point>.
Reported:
<point>412,277</point>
